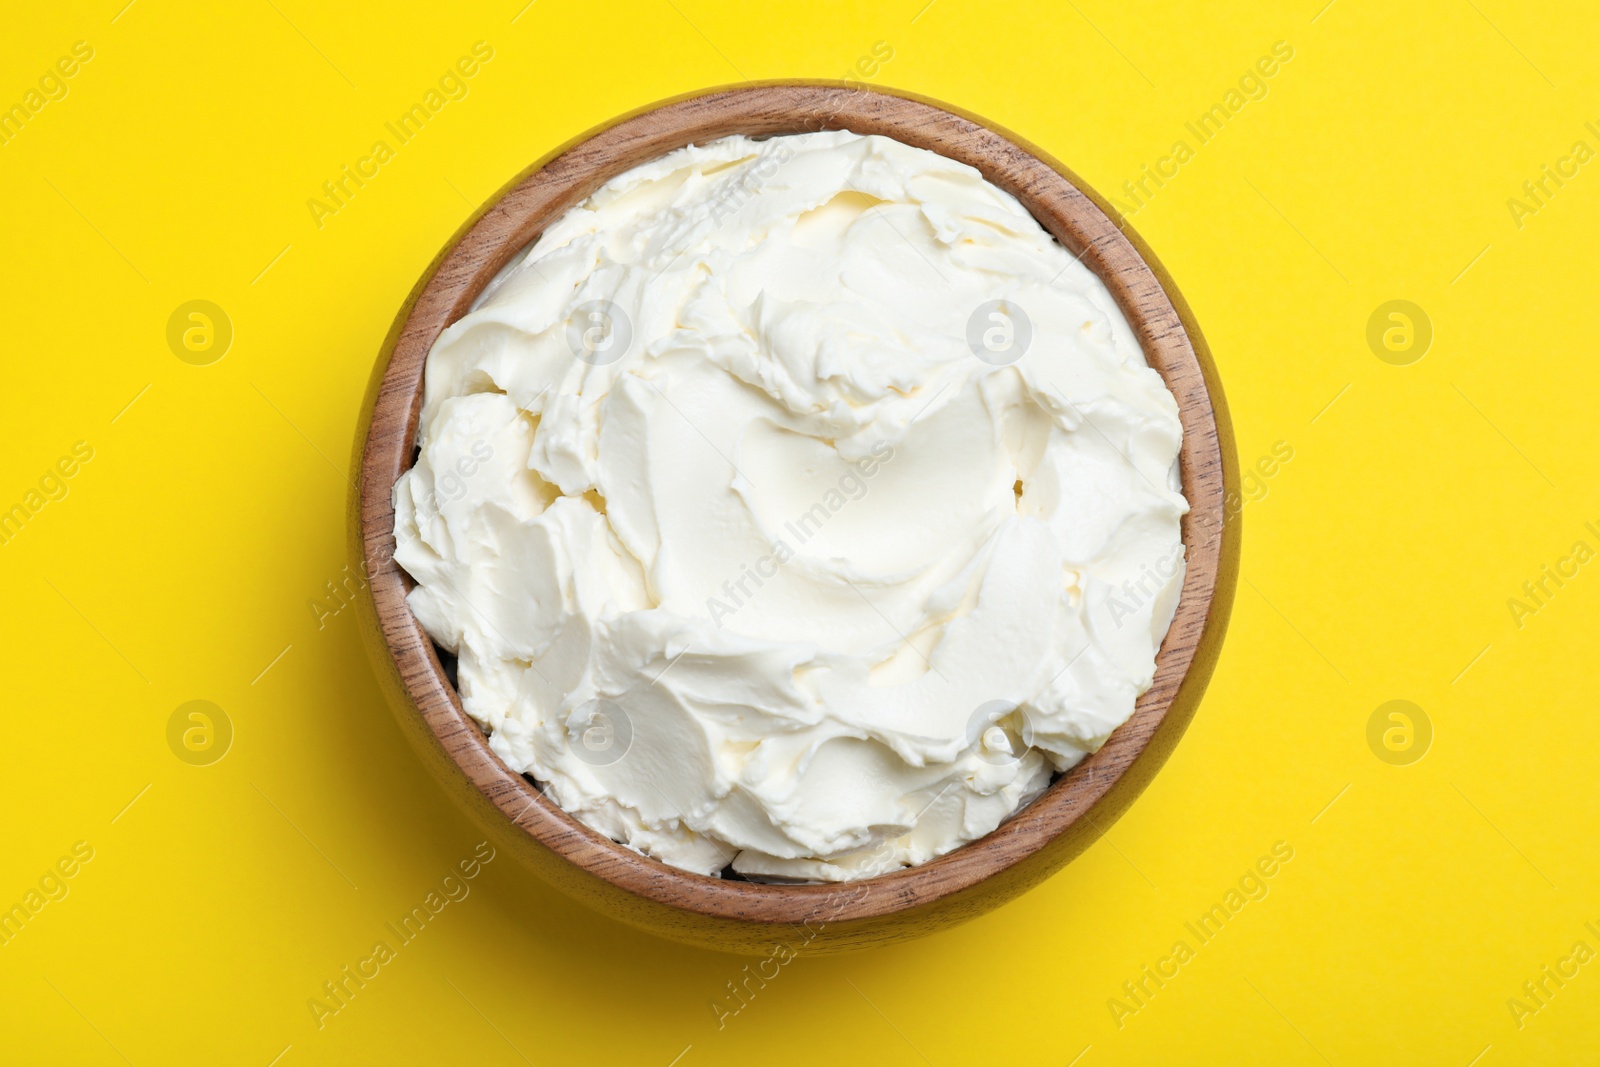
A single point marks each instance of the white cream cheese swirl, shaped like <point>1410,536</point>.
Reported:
<point>766,537</point>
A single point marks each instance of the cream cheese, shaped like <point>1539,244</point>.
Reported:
<point>796,505</point>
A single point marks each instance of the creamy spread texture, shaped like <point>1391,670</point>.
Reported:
<point>797,505</point>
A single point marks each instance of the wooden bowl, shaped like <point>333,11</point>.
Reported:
<point>752,917</point>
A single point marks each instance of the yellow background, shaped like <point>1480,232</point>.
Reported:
<point>1378,566</point>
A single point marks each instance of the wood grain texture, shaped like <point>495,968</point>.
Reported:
<point>746,916</point>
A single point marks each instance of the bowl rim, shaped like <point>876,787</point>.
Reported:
<point>1068,208</point>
